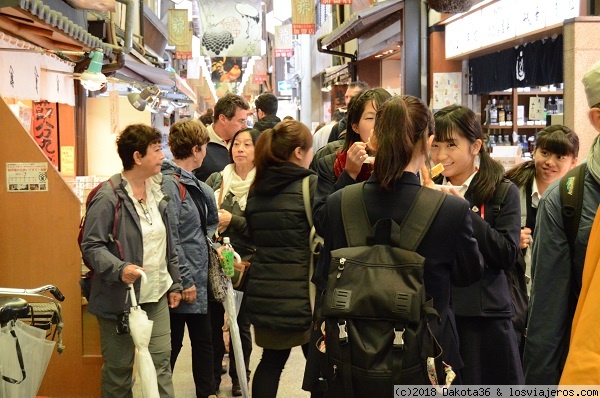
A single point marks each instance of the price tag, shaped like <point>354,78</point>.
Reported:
<point>536,108</point>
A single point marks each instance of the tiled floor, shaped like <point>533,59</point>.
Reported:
<point>289,386</point>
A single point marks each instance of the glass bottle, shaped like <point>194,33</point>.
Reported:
<point>493,113</point>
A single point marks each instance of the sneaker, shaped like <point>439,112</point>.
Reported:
<point>236,390</point>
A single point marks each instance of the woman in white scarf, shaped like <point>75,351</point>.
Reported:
<point>231,188</point>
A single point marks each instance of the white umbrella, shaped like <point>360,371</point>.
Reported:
<point>36,352</point>
<point>231,305</point>
<point>140,328</point>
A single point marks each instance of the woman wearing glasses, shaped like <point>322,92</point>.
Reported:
<point>142,242</point>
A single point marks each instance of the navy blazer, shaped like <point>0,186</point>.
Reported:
<point>498,239</point>
<point>451,253</point>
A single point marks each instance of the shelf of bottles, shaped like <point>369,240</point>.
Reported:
<point>505,117</point>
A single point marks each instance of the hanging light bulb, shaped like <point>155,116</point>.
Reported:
<point>93,79</point>
<point>139,100</point>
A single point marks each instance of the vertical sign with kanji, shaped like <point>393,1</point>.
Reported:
<point>45,129</point>
<point>303,17</point>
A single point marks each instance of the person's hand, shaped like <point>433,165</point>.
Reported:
<point>525,238</point>
<point>224,219</point>
<point>355,157</point>
<point>130,273</point>
<point>174,299</point>
<point>220,251</point>
<point>189,294</point>
<point>452,191</point>
<point>426,177</point>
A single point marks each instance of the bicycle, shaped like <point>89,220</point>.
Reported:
<point>30,330</point>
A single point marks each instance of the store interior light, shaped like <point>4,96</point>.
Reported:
<point>139,100</point>
<point>93,79</point>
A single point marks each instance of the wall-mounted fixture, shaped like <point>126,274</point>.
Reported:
<point>139,100</point>
<point>93,79</point>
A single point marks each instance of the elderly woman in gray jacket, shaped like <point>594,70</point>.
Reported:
<point>193,214</point>
<point>142,242</point>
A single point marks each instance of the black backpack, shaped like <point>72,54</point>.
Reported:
<point>571,197</point>
<point>376,331</point>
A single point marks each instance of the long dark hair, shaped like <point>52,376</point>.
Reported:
<point>356,107</point>
<point>276,145</point>
<point>463,121</point>
<point>402,126</point>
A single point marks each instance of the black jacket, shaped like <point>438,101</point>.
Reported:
<point>267,122</point>
<point>498,239</point>
<point>217,157</point>
<point>277,293</point>
<point>451,253</point>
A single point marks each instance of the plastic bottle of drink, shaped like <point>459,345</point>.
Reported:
<point>227,260</point>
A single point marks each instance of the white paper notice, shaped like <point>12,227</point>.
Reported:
<point>27,177</point>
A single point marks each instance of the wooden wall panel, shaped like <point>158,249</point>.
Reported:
<point>38,246</point>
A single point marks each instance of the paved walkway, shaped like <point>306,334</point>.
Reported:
<point>289,386</point>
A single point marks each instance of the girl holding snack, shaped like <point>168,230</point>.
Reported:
<point>483,310</point>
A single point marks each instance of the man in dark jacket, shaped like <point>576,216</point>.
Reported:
<point>230,116</point>
<point>266,107</point>
<point>353,89</point>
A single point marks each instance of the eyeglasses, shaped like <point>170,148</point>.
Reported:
<point>145,210</point>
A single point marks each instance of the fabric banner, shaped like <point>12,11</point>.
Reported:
<point>226,69</point>
<point>283,41</point>
<point>56,80</point>
<point>303,17</point>
<point>179,27</point>
<point>20,75</point>
<point>230,28</point>
<point>336,1</point>
<point>45,129</point>
<point>259,74</point>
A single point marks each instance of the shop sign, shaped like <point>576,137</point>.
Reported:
<point>283,41</point>
<point>505,20</point>
<point>27,177</point>
<point>335,2</point>
<point>303,17</point>
<point>45,129</point>
<point>259,71</point>
<point>230,28</point>
<point>284,88</point>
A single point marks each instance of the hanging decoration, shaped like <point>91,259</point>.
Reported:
<point>180,33</point>
<point>229,28</point>
<point>259,74</point>
<point>283,41</point>
<point>303,17</point>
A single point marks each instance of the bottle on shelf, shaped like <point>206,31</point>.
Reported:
<point>493,112</point>
<point>227,260</point>
<point>491,143</point>
<point>501,113</point>
<point>559,105</point>
<point>509,114</point>
<point>524,144</point>
<point>487,111</point>
<point>551,107</point>
<point>506,141</point>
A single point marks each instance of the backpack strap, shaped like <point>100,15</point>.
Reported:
<point>423,210</point>
<point>182,190</point>
<point>312,292</point>
<point>571,197</point>
<point>113,236</point>
<point>354,215</point>
<point>500,197</point>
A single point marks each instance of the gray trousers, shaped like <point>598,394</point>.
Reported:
<point>118,353</point>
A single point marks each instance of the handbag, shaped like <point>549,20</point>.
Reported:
<point>241,272</point>
<point>217,280</point>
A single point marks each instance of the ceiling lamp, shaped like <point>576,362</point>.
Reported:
<point>93,79</point>
<point>139,100</point>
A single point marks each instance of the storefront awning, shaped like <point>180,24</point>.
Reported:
<point>150,74</point>
<point>362,21</point>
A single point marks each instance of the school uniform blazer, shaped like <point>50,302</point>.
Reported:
<point>498,239</point>
<point>451,253</point>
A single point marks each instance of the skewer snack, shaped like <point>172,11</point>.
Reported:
<point>427,176</point>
